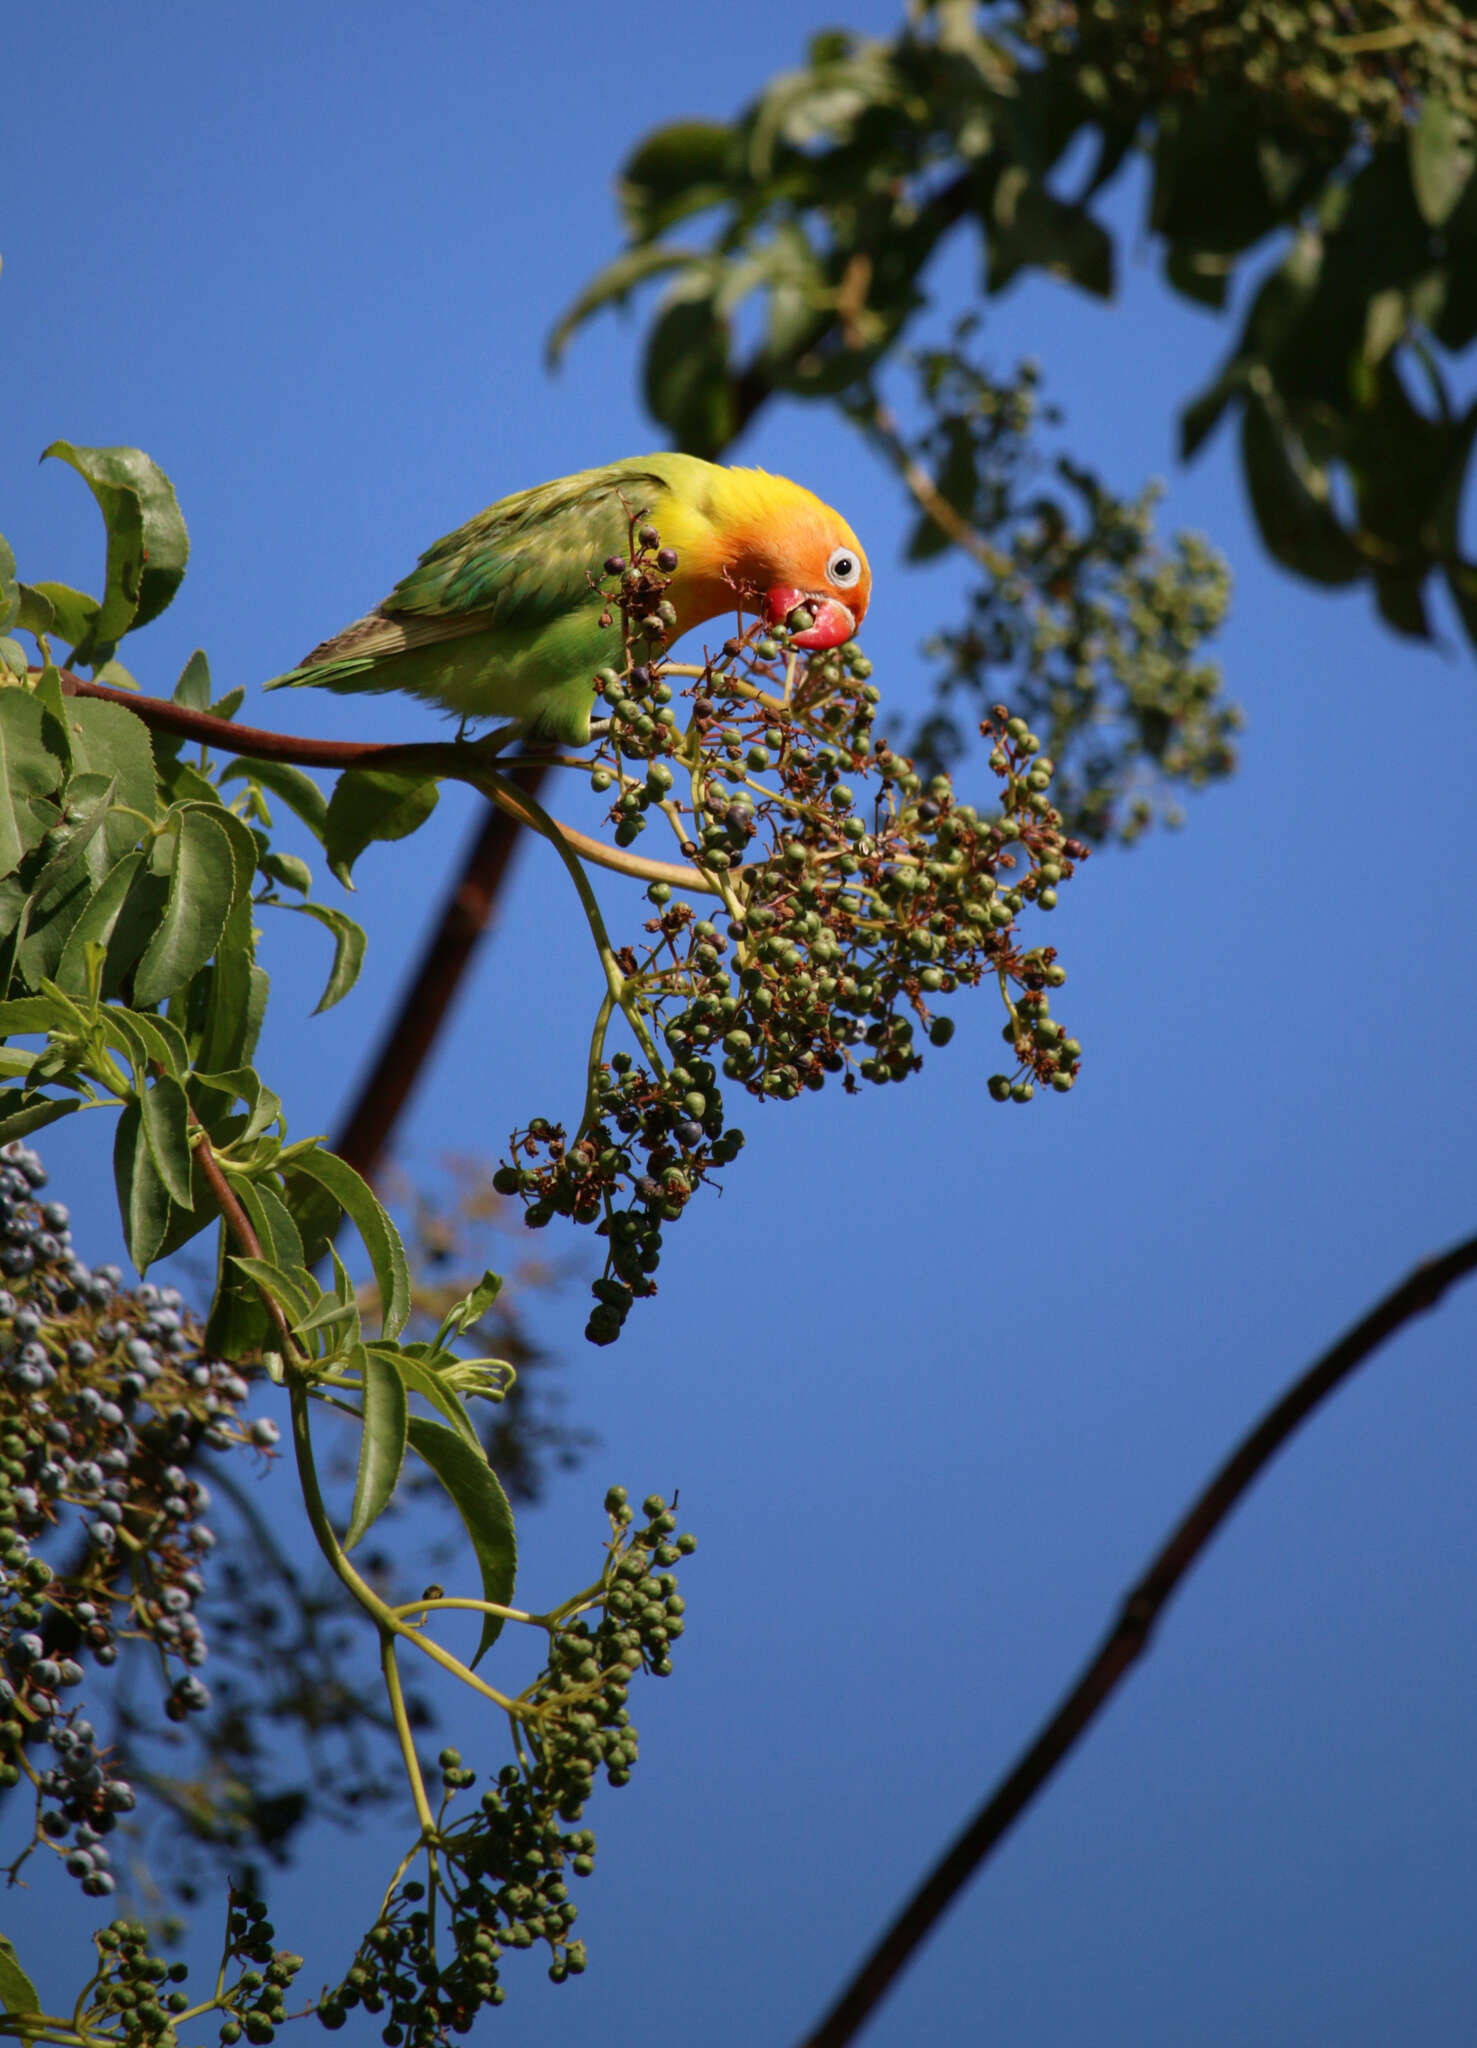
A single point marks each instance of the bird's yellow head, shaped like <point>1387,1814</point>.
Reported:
<point>762,534</point>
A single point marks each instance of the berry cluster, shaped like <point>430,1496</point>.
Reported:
<point>104,1403</point>
<point>502,1870</point>
<point>851,894</point>
<point>127,1996</point>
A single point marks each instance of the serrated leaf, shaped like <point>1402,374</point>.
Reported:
<point>143,1199</point>
<point>166,1124</point>
<point>202,887</point>
<point>72,612</point>
<point>17,1992</point>
<point>23,1015</point>
<point>277,1232</point>
<point>36,614</point>
<point>381,1443</point>
<point>483,1506</point>
<point>381,1239</point>
<point>21,1112</point>
<point>348,950</point>
<point>422,1378</point>
<point>108,740</point>
<point>369,804</point>
<point>299,792</point>
<point>28,768</point>
<point>148,545</point>
<point>97,925</point>
<point>222,1044</point>
<point>160,1039</point>
<point>289,1289</point>
<point>193,688</point>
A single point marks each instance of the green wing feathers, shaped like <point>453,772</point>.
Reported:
<point>530,555</point>
<point>499,618</point>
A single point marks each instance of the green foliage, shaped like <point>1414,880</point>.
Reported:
<point>1340,144</point>
<point>854,899</point>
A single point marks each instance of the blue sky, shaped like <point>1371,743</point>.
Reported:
<point>307,258</point>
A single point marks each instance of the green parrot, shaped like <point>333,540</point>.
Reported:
<point>503,619</point>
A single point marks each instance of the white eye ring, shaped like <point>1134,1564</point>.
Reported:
<point>844,568</point>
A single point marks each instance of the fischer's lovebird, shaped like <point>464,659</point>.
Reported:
<point>503,619</point>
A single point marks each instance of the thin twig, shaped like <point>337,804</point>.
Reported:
<point>1127,1640</point>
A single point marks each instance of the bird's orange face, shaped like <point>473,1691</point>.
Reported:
<point>826,572</point>
<point>763,536</point>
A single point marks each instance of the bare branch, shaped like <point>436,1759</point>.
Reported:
<point>1127,1640</point>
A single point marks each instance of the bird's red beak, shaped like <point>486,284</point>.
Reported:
<point>833,622</point>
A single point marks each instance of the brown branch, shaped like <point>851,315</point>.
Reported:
<point>432,757</point>
<point>1128,1639</point>
<point>239,1223</point>
<point>383,1093</point>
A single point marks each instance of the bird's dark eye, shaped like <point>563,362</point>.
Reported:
<point>843,569</point>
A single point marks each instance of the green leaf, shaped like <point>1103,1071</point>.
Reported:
<point>1300,529</point>
<point>166,1124</point>
<point>412,1363</point>
<point>36,615</point>
<point>276,1226</point>
<point>244,848</point>
<point>147,541</point>
<point>288,1289</point>
<point>10,590</point>
<point>147,1040</point>
<point>24,1015</point>
<point>263,1105</point>
<point>73,612</point>
<point>28,768</point>
<point>348,950</point>
<point>471,1308</point>
<point>1441,157</point>
<point>381,1238</point>
<point>193,688</point>
<point>202,886</point>
<point>483,1507</point>
<point>381,1443</point>
<point>65,885</point>
<point>143,1200</point>
<point>373,803</point>
<point>21,1112</point>
<point>1027,225</point>
<point>222,1045</point>
<point>299,792</point>
<point>674,171</point>
<point>108,740</point>
<point>612,286</point>
<point>17,1992</point>
<point>97,925</point>
<point>685,379</point>
<point>287,869</point>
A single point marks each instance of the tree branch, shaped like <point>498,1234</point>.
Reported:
<point>365,1131</point>
<point>1127,1640</point>
<point>453,759</point>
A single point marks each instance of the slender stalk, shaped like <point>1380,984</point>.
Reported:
<point>1127,1640</point>
<point>412,1762</point>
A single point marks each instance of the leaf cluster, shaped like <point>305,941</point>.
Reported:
<point>1338,142</point>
